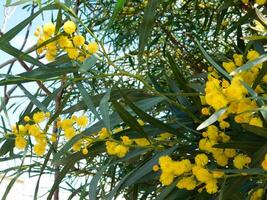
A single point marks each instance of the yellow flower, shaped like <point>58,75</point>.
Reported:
<point>187,183</point>
<point>34,130</point>
<point>103,133</point>
<point>82,121</point>
<point>38,117</point>
<point>121,150</point>
<point>69,27</point>
<point>49,29</point>
<point>72,53</point>
<point>203,175</point>
<point>260,2</point>
<point>205,111</point>
<point>69,133</point>
<point>201,159</point>
<point>92,47</point>
<point>224,125</point>
<point>238,58</point>
<point>230,153</point>
<point>155,168</point>
<point>53,138</point>
<point>39,149</point>
<point>27,119</point>
<point>166,178</point>
<point>84,151</point>
<point>217,174</point>
<point>211,186</point>
<point>110,146</point>
<point>77,146</point>
<point>241,160</point>
<point>126,140</point>
<point>78,40</point>
<point>245,1</point>
<point>66,123</point>
<point>252,55</point>
<point>229,66</point>
<point>20,142</point>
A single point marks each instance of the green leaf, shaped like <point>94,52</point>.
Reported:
<point>118,7</point>
<point>17,3</point>
<point>39,74</point>
<point>94,182</point>
<point>212,62</point>
<point>88,63</point>
<point>104,109</point>
<point>10,185</point>
<point>6,147</point>
<point>87,99</point>
<point>129,119</point>
<point>249,65</point>
<point>146,26</point>
<point>213,118</point>
<point>166,191</point>
<point>146,117</point>
<point>33,99</point>
<point>260,131</point>
<point>261,17</point>
<point>6,47</point>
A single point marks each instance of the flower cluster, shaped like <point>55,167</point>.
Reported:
<point>189,175</point>
<point>257,194</point>
<point>33,129</point>
<point>221,93</point>
<point>67,40</point>
<point>259,2</point>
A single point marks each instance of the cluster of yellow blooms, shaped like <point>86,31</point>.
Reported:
<point>68,40</point>
<point>33,129</point>
<point>222,93</point>
<point>189,175</point>
<point>259,2</point>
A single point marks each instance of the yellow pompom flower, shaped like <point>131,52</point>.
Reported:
<point>69,133</point>
<point>252,55</point>
<point>85,151</point>
<point>20,142</point>
<point>39,149</point>
<point>155,168</point>
<point>126,140</point>
<point>245,1</point>
<point>187,183</point>
<point>205,111</point>
<point>53,138</point>
<point>65,123</point>
<point>201,159</point>
<point>92,47</point>
<point>166,178</point>
<point>121,150</point>
<point>217,174</point>
<point>49,29</point>
<point>241,160</point>
<point>82,121</point>
<point>103,134</point>
<point>27,119</point>
<point>230,153</point>
<point>69,27</point>
<point>72,53</point>
<point>203,175</point>
<point>238,58</point>
<point>211,186</point>
<point>229,66</point>
<point>38,117</point>
<point>260,2</point>
<point>78,40</point>
<point>110,147</point>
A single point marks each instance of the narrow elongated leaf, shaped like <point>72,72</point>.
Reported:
<point>129,119</point>
<point>213,118</point>
<point>33,99</point>
<point>19,54</point>
<point>212,62</point>
<point>104,109</point>
<point>249,65</point>
<point>88,63</point>
<point>94,182</point>
<point>146,26</point>
<point>10,185</point>
<point>87,100</point>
